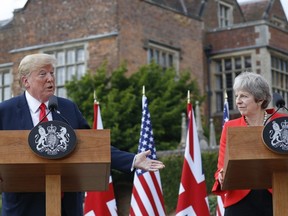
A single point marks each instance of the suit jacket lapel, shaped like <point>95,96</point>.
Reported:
<point>23,113</point>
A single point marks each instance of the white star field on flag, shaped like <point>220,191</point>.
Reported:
<point>146,141</point>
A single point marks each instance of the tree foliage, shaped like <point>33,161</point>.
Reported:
<point>120,100</point>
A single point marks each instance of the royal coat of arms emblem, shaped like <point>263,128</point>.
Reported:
<point>275,135</point>
<point>52,139</point>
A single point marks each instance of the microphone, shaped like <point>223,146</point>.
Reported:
<point>53,106</point>
<point>278,100</point>
<point>53,103</point>
<point>279,103</point>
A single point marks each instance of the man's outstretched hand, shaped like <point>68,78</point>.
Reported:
<point>145,163</point>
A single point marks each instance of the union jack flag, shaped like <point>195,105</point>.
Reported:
<point>192,199</point>
<point>100,202</point>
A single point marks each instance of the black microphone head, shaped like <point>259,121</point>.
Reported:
<point>53,103</point>
<point>278,100</point>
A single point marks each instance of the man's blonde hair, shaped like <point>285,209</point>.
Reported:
<point>34,62</point>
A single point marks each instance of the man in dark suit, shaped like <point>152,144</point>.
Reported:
<point>37,77</point>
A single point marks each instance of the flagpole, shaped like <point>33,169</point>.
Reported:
<point>189,105</point>
<point>143,90</point>
<point>95,98</point>
<point>96,104</point>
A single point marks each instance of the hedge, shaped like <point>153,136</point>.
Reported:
<point>171,175</point>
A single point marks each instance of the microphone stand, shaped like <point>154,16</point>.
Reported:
<point>44,117</point>
<point>279,107</point>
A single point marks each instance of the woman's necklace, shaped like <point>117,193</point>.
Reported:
<point>264,120</point>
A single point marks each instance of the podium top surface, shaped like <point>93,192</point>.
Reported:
<point>249,164</point>
<point>86,168</point>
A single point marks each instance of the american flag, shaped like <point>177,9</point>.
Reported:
<point>220,206</point>
<point>100,202</point>
<point>225,111</point>
<point>147,198</point>
<point>192,199</point>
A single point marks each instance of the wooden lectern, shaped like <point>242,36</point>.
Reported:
<point>249,164</point>
<point>87,168</point>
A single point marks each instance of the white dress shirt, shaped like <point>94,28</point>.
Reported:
<point>34,108</point>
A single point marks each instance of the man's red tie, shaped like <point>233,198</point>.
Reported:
<point>43,113</point>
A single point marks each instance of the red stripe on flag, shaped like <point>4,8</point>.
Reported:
<point>131,213</point>
<point>158,187</point>
<point>189,108</point>
<point>95,116</point>
<point>190,129</point>
<point>151,201</point>
<point>147,189</point>
<point>138,200</point>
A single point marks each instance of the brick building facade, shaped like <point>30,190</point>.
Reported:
<point>215,40</point>
<point>111,31</point>
<point>257,45</point>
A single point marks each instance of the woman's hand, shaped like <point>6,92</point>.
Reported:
<point>221,177</point>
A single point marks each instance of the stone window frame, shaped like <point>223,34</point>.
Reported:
<point>71,62</point>
<point>224,70</point>
<point>279,75</point>
<point>225,14</point>
<point>278,22</point>
<point>5,83</point>
<point>162,54</point>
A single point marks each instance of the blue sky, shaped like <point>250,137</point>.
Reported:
<point>7,7</point>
